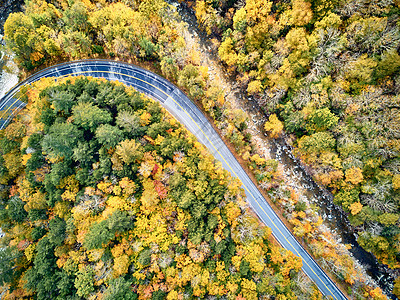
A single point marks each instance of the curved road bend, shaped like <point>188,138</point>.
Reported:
<point>187,113</point>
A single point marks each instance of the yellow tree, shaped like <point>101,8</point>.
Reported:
<point>227,53</point>
<point>149,196</point>
<point>301,12</point>
<point>354,175</point>
<point>396,181</point>
<point>274,127</point>
<point>128,151</point>
<point>355,208</point>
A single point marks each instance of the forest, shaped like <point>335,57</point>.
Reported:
<point>330,70</point>
<point>326,73</point>
<point>126,207</point>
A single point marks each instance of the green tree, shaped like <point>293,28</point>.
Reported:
<point>76,17</point>
<point>61,139</point>
<point>101,233</point>
<point>37,214</point>
<point>389,64</point>
<point>148,48</point>
<point>317,142</point>
<point>8,268</point>
<point>89,116</point>
<point>191,80</point>
<point>37,233</point>
<point>62,102</point>
<point>84,282</point>
<point>321,120</point>
<point>42,278</point>
<point>66,285</point>
<point>109,135</point>
<point>98,236</point>
<point>346,198</point>
<point>119,289</point>
<point>15,210</point>
<point>84,152</point>
<point>47,117</point>
<point>56,233</point>
<point>76,44</point>
<point>169,68</point>
<point>128,121</point>
<point>35,161</point>
<point>144,257</point>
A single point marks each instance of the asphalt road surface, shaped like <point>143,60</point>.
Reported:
<point>188,114</point>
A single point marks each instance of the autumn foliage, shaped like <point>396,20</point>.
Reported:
<point>146,214</point>
<point>329,70</point>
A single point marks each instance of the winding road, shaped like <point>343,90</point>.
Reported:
<point>176,102</point>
